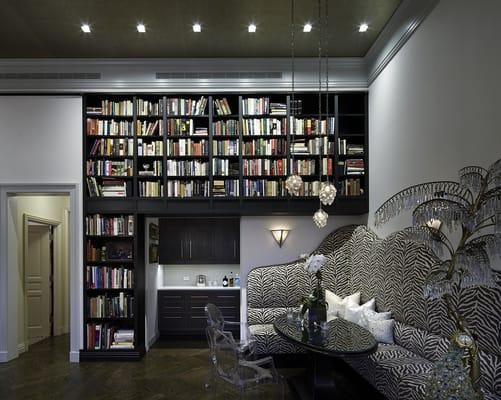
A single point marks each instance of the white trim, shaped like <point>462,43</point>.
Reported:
<point>152,340</point>
<point>74,356</point>
<point>8,311</point>
<point>21,348</point>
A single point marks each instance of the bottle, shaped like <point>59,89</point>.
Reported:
<point>237,280</point>
<point>232,282</point>
<point>225,281</point>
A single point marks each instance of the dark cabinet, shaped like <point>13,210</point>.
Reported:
<point>182,312</point>
<point>199,241</point>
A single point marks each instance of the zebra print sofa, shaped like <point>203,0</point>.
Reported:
<point>393,271</point>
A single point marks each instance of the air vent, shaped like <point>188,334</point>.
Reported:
<point>50,75</point>
<point>219,75</point>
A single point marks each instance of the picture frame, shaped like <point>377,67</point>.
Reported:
<point>153,253</point>
<point>154,231</point>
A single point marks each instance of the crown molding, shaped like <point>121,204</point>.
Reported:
<point>404,22</point>
<point>139,75</point>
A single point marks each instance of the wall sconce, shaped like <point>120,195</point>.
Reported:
<point>280,235</point>
<point>434,223</point>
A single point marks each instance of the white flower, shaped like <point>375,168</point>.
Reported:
<point>303,255</point>
<point>314,263</point>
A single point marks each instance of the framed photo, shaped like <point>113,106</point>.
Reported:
<point>153,253</point>
<point>154,232</point>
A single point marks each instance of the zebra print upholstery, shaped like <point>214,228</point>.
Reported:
<point>393,271</point>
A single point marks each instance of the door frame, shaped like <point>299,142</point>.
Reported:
<point>56,239</point>
<point>9,277</point>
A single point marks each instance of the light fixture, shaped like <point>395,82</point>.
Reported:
<point>141,28</point>
<point>252,28</point>
<point>197,28</point>
<point>280,235</point>
<point>320,218</point>
<point>307,27</point>
<point>434,224</point>
<point>363,27</point>
<point>85,28</point>
<point>327,193</point>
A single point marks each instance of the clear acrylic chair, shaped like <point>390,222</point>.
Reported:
<point>243,376</point>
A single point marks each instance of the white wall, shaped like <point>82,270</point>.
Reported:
<point>47,207</point>
<point>435,107</point>
<point>151,283</point>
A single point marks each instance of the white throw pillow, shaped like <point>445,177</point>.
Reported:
<point>371,315</point>
<point>382,330</point>
<point>354,314</point>
<point>337,305</point>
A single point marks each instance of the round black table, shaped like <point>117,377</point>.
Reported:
<point>337,339</point>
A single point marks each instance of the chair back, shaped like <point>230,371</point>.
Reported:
<point>214,316</point>
<point>224,354</point>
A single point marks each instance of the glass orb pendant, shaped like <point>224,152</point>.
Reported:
<point>294,183</point>
<point>320,218</point>
<point>327,193</point>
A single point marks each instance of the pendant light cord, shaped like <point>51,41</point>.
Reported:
<point>327,119</point>
<point>319,123</point>
<point>292,121</point>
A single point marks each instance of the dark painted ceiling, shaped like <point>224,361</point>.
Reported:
<point>51,28</point>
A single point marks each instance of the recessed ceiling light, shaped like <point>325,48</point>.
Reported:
<point>363,27</point>
<point>307,27</point>
<point>85,28</point>
<point>252,28</point>
<point>197,28</point>
<point>141,28</point>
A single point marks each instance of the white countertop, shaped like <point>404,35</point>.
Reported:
<point>198,288</point>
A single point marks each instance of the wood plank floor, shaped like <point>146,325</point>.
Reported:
<point>164,373</point>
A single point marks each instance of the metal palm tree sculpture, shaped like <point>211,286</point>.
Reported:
<point>472,206</point>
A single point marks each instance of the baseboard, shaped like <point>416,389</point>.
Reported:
<point>153,340</point>
<point>21,348</point>
<point>74,356</point>
<point>4,356</point>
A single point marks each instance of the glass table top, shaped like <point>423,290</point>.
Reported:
<point>336,338</point>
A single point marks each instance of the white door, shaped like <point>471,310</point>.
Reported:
<point>37,283</point>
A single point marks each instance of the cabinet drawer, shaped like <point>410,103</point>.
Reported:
<point>171,323</point>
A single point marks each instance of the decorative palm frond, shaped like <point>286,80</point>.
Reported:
<point>450,212</point>
<point>491,243</point>
<point>471,177</point>
<point>474,266</point>
<point>417,194</point>
<point>437,284</point>
<point>494,173</point>
<point>429,236</point>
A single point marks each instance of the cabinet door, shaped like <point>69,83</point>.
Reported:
<point>200,242</point>
<point>173,247</point>
<point>226,241</point>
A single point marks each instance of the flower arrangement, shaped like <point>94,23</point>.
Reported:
<point>315,303</point>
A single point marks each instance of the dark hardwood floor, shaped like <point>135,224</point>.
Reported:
<point>166,372</point>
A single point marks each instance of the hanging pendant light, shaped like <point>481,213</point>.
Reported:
<point>327,193</point>
<point>320,218</point>
<point>294,182</point>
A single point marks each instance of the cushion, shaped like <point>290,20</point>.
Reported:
<point>354,314</point>
<point>370,315</point>
<point>337,305</point>
<point>268,341</point>
<point>382,330</point>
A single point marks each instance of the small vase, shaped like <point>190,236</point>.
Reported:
<point>317,315</point>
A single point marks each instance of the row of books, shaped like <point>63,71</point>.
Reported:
<point>187,168</point>
<point>264,126</point>
<point>147,169</point>
<point>149,128</point>
<point>316,146</point>
<point>265,167</point>
<point>222,106</point>
<point>253,106</point>
<point>225,187</point>
<point>186,106</point>
<point>151,189</point>
<point>187,147</point>
<point>265,147</point>
<point>108,336</point>
<point>226,147</point>
<point>106,306</point>
<point>351,187</point>
<point>99,225</point>
<point>192,188</point>
<point>98,277</point>
<point>263,188</point>
<point>146,107</point>
<point>185,127</point>
<point>110,168</point>
<point>108,127</point>
<point>224,167</point>
<point>112,147</point>
<point>278,109</point>
<point>109,187</point>
<point>309,167</point>
<point>153,148</point>
<point>229,127</point>
<point>310,126</point>
<point>354,166</point>
<point>111,251</point>
<point>349,149</point>
<point>108,107</point>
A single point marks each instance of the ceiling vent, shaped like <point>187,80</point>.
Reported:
<point>218,75</point>
<point>50,75</point>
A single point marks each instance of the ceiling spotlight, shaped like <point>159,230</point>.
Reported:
<point>141,28</point>
<point>307,27</point>
<point>197,28</point>
<point>85,28</point>
<point>363,27</point>
<point>252,28</point>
